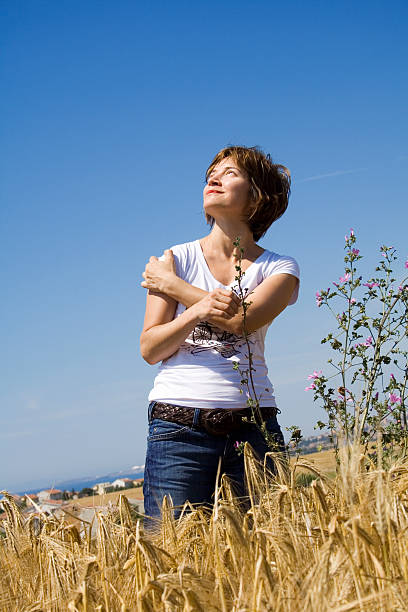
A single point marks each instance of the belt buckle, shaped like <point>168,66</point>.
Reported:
<point>218,427</point>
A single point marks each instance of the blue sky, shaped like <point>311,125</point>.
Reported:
<point>110,114</point>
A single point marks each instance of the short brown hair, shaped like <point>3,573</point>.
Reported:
<point>269,186</point>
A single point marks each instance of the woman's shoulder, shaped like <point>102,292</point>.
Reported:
<point>275,263</point>
<point>184,248</point>
<point>184,254</point>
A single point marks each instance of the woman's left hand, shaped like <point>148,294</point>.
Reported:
<point>159,273</point>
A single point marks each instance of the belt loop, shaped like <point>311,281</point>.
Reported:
<point>149,412</point>
<point>196,416</point>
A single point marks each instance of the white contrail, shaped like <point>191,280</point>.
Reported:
<point>328,174</point>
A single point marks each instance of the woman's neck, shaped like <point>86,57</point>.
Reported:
<point>222,238</point>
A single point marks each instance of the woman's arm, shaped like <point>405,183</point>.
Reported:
<point>161,276</point>
<point>268,300</point>
<point>162,335</point>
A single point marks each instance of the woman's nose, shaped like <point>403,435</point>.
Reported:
<point>214,180</point>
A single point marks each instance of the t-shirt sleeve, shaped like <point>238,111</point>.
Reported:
<point>284,264</point>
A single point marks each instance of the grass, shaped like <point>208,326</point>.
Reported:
<point>338,544</point>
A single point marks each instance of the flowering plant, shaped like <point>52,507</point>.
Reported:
<point>370,344</point>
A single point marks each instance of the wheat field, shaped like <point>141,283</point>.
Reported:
<point>338,544</point>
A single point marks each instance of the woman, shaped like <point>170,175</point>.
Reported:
<point>194,326</point>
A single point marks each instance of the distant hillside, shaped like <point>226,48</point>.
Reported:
<point>89,481</point>
<point>313,444</point>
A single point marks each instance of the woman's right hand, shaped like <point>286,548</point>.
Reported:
<point>159,273</point>
<point>217,303</point>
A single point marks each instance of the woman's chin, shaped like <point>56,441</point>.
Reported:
<point>211,209</point>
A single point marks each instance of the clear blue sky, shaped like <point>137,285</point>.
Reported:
<point>110,113</point>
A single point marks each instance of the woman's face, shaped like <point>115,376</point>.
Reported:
<point>227,190</point>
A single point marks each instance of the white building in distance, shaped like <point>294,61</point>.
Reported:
<point>122,482</point>
<point>102,487</point>
<point>49,494</point>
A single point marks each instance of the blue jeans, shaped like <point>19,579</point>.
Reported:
<point>182,461</point>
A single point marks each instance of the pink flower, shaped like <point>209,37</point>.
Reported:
<point>352,301</point>
<point>319,299</point>
<point>355,251</point>
<point>393,377</point>
<point>314,375</point>
<point>394,399</point>
<point>370,285</point>
<point>345,278</point>
<point>368,342</point>
<point>406,264</point>
<point>351,231</point>
<point>312,386</point>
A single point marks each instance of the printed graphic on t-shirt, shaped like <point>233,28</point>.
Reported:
<point>206,337</point>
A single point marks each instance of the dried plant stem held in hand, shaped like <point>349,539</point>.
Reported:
<point>247,379</point>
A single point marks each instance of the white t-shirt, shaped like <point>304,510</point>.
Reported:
<point>201,374</point>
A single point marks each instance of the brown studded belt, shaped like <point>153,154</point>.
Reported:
<point>218,422</point>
